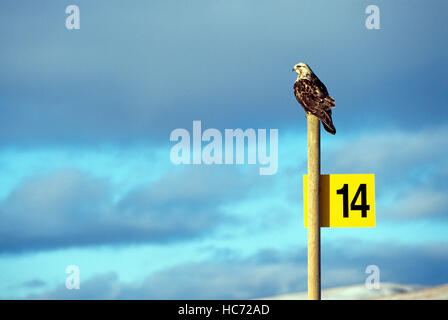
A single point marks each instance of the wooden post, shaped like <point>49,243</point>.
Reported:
<point>313,208</point>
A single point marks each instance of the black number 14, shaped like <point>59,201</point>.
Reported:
<point>364,207</point>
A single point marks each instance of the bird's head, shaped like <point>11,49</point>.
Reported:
<point>302,69</point>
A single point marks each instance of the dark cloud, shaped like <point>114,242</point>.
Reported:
<point>103,286</point>
<point>137,71</point>
<point>418,202</point>
<point>411,182</point>
<point>272,272</point>
<point>35,283</point>
<point>68,208</point>
<point>389,151</point>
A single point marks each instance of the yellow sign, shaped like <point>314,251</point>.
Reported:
<point>346,200</point>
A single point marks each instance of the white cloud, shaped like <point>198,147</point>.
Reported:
<point>419,203</point>
<point>270,272</point>
<point>68,207</point>
<point>389,150</point>
<point>409,167</point>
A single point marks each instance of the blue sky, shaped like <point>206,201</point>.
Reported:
<point>85,122</point>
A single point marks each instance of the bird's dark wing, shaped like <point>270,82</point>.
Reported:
<point>310,94</point>
<point>313,93</point>
<point>321,90</point>
<point>319,84</point>
<point>303,93</point>
<point>316,101</point>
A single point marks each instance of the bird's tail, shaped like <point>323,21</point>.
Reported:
<point>330,102</point>
<point>328,122</point>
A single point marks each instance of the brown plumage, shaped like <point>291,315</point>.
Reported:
<point>312,94</point>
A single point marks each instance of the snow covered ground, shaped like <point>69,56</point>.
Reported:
<point>386,291</point>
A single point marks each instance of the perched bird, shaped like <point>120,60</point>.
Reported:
<point>312,94</point>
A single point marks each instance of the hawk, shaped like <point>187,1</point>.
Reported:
<point>312,94</point>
